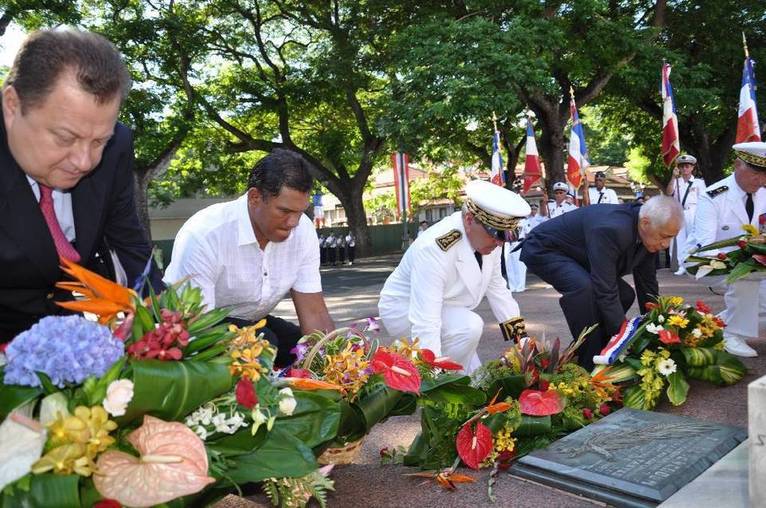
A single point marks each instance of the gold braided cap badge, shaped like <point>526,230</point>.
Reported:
<point>490,219</point>
<point>750,158</point>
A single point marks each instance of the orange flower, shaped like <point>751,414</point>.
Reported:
<point>103,297</point>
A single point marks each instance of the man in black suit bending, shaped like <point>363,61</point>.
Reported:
<point>66,173</point>
<point>584,255</point>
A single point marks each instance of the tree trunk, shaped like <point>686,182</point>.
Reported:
<point>350,197</point>
<point>552,148</point>
<point>142,178</point>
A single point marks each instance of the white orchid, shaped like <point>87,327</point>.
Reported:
<point>655,329</point>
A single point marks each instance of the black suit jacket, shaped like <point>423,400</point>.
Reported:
<point>104,216</point>
<point>604,240</point>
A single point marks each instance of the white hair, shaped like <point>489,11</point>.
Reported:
<point>662,210</point>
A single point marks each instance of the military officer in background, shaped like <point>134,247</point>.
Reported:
<point>600,194</point>
<point>448,270</point>
<point>686,189</point>
<point>723,208</point>
<point>559,206</point>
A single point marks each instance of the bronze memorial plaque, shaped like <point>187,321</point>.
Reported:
<point>631,458</point>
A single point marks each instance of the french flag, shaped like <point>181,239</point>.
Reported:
<point>577,161</point>
<point>671,145</point>
<point>532,173</point>
<point>747,121</point>
<point>496,176</point>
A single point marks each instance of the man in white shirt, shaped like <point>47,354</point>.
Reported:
<point>724,207</point>
<point>448,271</point>
<point>686,190</point>
<point>249,253</point>
<point>559,206</point>
<point>600,194</point>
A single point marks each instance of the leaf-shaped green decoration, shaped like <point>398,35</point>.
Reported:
<point>13,396</point>
<point>60,491</point>
<point>726,370</point>
<point>316,418</point>
<point>281,455</point>
<point>533,426</point>
<point>699,356</point>
<point>171,390</point>
<point>677,388</point>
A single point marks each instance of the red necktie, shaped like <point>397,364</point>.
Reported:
<point>63,247</point>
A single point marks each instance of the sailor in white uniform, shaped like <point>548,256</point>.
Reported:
<point>687,190</point>
<point>447,272</point>
<point>722,210</point>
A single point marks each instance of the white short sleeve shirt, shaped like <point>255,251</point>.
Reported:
<point>217,249</point>
<point>603,196</point>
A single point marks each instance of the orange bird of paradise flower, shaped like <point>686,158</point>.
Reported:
<point>103,297</point>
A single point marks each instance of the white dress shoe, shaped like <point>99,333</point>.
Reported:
<point>738,347</point>
<point>680,271</point>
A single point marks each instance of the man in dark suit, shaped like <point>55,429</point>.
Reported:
<point>66,173</point>
<point>585,253</point>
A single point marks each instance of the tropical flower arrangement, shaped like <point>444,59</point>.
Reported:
<point>527,398</point>
<point>160,401</point>
<point>735,257</point>
<point>673,341</point>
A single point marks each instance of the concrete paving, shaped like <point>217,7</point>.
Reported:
<point>351,293</point>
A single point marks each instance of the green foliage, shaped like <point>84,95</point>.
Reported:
<point>297,492</point>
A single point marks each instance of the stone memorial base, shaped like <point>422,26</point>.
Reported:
<point>631,458</point>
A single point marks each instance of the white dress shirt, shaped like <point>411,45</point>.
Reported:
<point>62,205</point>
<point>603,196</point>
<point>218,250</point>
<point>555,210</point>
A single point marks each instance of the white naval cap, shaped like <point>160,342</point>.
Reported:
<point>686,159</point>
<point>752,152</point>
<point>495,206</point>
<point>560,186</point>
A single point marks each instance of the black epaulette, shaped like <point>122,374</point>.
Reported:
<point>448,240</point>
<point>718,190</point>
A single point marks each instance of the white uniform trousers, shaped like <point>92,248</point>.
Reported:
<point>515,268</point>
<point>683,236</point>
<point>460,334</point>
<point>744,299</point>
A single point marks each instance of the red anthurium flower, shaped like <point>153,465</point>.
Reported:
<point>441,362</point>
<point>474,446</point>
<point>761,258</point>
<point>718,321</point>
<point>398,372</point>
<point>668,337</point>
<point>650,305</point>
<point>299,373</point>
<point>702,307</point>
<point>539,403</point>
<point>245,393</point>
<point>107,503</point>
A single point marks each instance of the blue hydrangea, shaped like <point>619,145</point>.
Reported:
<point>67,349</point>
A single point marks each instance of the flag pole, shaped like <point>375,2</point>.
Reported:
<point>744,44</point>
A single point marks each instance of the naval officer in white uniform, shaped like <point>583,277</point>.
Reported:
<point>447,272</point>
<point>687,190</point>
<point>722,210</point>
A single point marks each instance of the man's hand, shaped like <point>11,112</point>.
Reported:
<point>312,312</point>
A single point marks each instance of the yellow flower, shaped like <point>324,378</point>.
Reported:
<point>67,429</point>
<point>347,369</point>
<point>245,351</point>
<point>676,301</point>
<point>407,349</point>
<point>750,229</point>
<point>65,459</point>
<point>504,441</point>
<point>679,321</point>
